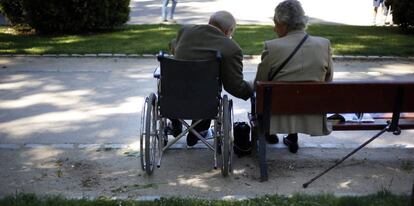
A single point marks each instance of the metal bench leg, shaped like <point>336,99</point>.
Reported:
<point>264,127</point>
<point>262,157</point>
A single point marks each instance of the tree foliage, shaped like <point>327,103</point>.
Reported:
<point>403,13</point>
<point>68,16</point>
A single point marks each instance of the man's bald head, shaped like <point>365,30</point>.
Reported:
<point>224,21</point>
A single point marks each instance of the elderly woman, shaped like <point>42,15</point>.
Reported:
<point>310,60</point>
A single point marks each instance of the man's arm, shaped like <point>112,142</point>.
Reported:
<point>173,43</point>
<point>232,76</point>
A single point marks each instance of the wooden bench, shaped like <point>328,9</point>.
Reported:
<point>334,97</point>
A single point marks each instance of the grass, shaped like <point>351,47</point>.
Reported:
<point>149,39</point>
<point>383,198</point>
<point>134,39</point>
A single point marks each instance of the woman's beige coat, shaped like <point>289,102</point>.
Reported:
<point>312,62</point>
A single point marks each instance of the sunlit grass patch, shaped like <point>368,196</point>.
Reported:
<point>149,39</point>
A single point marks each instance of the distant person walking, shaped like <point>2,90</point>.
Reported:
<point>164,11</point>
<point>376,4</point>
<point>387,11</point>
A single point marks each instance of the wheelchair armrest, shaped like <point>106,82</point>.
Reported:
<point>157,73</point>
<point>253,104</point>
<point>252,114</point>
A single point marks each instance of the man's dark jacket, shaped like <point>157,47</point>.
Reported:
<point>202,42</point>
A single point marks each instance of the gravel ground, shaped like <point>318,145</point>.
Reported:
<point>91,173</point>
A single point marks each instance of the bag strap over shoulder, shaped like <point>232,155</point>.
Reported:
<point>271,77</point>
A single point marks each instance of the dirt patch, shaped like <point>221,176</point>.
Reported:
<point>190,173</point>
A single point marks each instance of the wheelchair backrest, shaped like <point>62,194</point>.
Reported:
<point>189,89</point>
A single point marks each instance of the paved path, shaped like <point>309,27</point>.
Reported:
<point>351,12</point>
<point>98,100</point>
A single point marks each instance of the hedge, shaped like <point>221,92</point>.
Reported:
<point>68,16</point>
<point>403,13</point>
<point>13,11</point>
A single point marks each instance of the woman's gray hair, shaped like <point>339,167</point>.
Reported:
<point>291,13</point>
<point>223,20</point>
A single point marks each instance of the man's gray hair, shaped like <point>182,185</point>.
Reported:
<point>222,20</point>
<point>291,13</point>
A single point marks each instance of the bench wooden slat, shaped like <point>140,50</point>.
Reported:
<point>340,97</point>
<point>377,125</point>
<point>389,115</point>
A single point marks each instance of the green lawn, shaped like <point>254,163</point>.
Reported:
<point>149,39</point>
<point>379,199</point>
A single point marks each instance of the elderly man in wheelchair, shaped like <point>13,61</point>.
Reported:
<point>189,88</point>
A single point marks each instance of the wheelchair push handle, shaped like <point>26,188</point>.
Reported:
<point>157,72</point>
<point>160,55</point>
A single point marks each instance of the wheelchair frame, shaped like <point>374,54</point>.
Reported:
<point>154,136</point>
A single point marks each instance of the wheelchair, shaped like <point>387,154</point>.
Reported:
<point>187,90</point>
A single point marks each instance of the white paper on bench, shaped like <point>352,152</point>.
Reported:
<point>352,117</point>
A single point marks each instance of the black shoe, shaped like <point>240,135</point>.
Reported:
<point>174,129</point>
<point>291,141</point>
<point>272,139</point>
<point>191,139</point>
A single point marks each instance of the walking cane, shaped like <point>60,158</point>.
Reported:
<point>390,127</point>
<point>346,157</point>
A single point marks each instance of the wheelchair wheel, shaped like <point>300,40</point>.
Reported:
<point>148,143</point>
<point>227,137</point>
